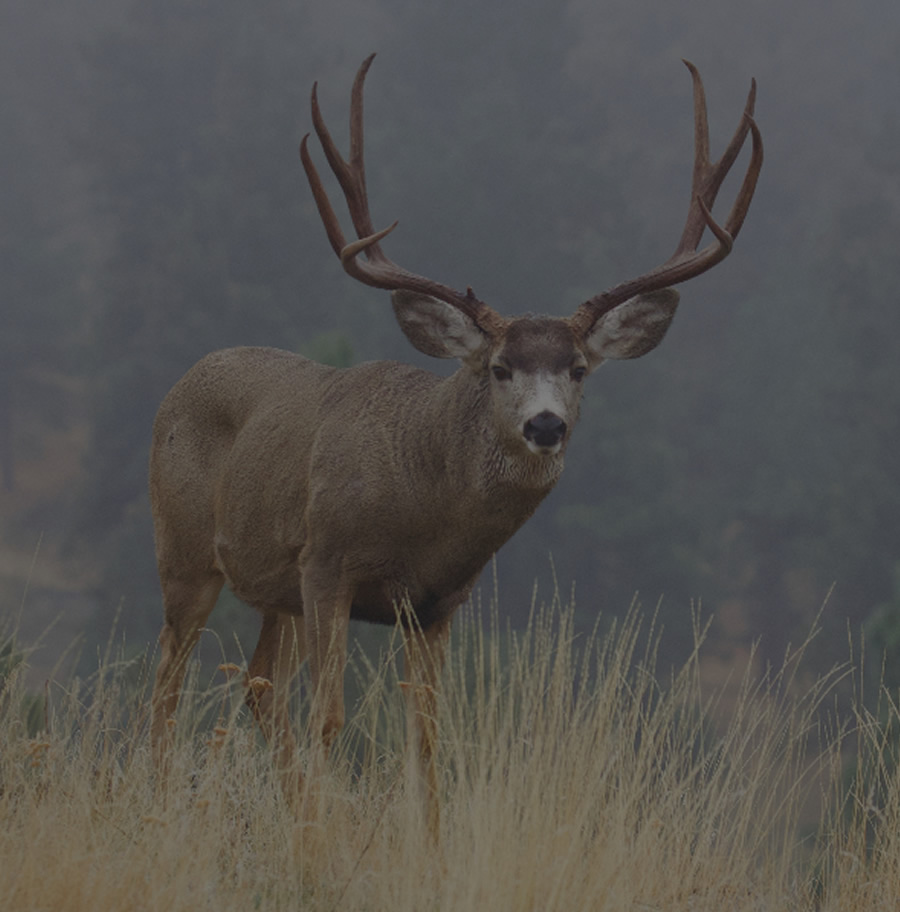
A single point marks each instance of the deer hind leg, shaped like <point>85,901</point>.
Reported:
<point>423,660</point>
<point>275,663</point>
<point>187,607</point>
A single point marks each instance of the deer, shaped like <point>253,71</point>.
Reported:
<point>381,491</point>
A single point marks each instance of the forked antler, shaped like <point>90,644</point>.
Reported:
<point>377,269</point>
<point>687,262</point>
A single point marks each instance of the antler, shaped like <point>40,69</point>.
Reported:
<point>377,269</point>
<point>687,262</point>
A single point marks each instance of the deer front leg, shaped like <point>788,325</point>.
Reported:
<point>276,660</point>
<point>423,659</point>
<point>326,616</point>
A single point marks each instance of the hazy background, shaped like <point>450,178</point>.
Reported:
<point>153,208</point>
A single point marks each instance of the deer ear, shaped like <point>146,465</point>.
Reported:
<point>436,328</point>
<point>633,328</point>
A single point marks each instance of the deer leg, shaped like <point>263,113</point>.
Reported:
<point>423,660</point>
<point>187,607</point>
<point>326,615</point>
<point>273,667</point>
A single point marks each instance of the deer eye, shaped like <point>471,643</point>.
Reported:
<point>501,373</point>
<point>578,374</point>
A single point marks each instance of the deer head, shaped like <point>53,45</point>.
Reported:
<point>535,366</point>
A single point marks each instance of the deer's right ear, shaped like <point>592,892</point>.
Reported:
<point>436,328</point>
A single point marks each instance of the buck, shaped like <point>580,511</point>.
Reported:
<point>380,491</point>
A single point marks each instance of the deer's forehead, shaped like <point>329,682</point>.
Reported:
<point>534,344</point>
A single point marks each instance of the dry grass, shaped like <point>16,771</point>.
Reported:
<point>573,777</point>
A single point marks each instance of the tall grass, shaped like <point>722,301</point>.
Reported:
<point>574,776</point>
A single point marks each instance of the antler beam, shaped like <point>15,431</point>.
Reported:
<point>687,261</point>
<point>377,269</point>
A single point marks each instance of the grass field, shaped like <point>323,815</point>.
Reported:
<point>575,776</point>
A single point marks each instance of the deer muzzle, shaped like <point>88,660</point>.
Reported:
<point>544,432</point>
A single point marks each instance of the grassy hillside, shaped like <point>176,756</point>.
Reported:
<point>574,777</point>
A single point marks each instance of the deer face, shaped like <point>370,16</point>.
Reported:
<point>536,374</point>
<point>535,366</point>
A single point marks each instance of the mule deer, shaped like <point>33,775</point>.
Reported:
<point>381,491</point>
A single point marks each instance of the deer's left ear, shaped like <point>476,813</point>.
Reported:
<point>633,328</point>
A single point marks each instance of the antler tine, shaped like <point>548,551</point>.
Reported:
<point>350,175</point>
<point>741,207</point>
<point>323,204</point>
<point>687,262</point>
<point>357,147</point>
<point>378,270</point>
<point>708,177</point>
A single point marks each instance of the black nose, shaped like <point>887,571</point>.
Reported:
<point>545,429</point>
